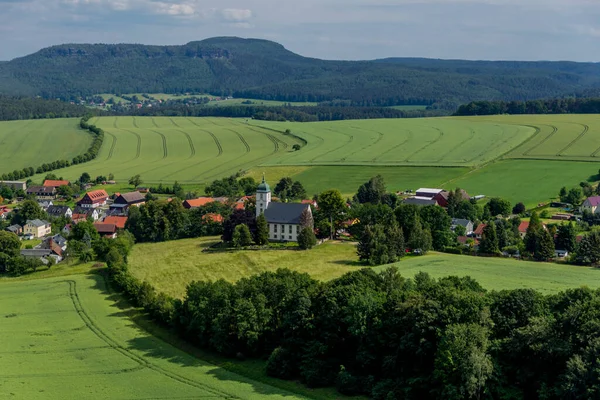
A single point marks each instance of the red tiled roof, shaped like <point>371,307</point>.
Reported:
<point>97,194</point>
<point>479,230</point>
<point>55,183</point>
<point>202,201</point>
<point>119,221</point>
<point>213,217</point>
<point>523,226</point>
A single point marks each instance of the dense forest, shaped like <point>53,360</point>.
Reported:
<point>549,106</point>
<point>266,70</point>
<point>284,113</point>
<point>14,108</point>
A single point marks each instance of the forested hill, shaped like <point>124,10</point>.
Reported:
<point>262,69</point>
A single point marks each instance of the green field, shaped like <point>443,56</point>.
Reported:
<point>34,142</point>
<point>66,338</point>
<point>523,158</point>
<point>170,266</point>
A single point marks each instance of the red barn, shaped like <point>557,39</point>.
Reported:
<point>93,199</point>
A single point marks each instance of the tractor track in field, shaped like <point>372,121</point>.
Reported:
<point>115,123</point>
<point>174,123</point>
<point>139,143</point>
<point>191,143</point>
<point>216,140</point>
<point>276,142</point>
<point>239,135</point>
<point>434,141</point>
<point>379,139</point>
<point>595,153</point>
<point>143,363</point>
<point>135,123</point>
<point>154,123</point>
<point>586,128</point>
<point>459,145</point>
<point>112,146</point>
<point>489,148</point>
<point>410,137</point>
<point>350,140</point>
<point>554,130</point>
<point>164,143</point>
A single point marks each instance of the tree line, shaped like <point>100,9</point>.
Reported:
<point>389,337</point>
<point>19,108</point>
<point>90,154</point>
<point>548,106</point>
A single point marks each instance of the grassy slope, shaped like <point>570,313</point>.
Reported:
<point>34,142</point>
<point>529,181</point>
<point>172,265</point>
<point>501,273</point>
<point>83,346</point>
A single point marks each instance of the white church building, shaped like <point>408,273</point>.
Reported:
<point>284,219</point>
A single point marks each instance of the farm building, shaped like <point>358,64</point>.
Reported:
<point>465,223</point>
<point>202,201</point>
<point>16,229</point>
<point>106,230</point>
<point>442,197</point>
<point>420,201</point>
<point>117,220</point>
<point>60,211</point>
<point>55,183</point>
<point>14,185</point>
<point>42,192</point>
<point>125,200</point>
<point>591,205</point>
<point>93,199</point>
<point>427,192</point>
<point>37,227</point>
<point>284,219</point>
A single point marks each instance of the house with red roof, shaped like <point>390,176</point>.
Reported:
<point>591,205</point>
<point>117,220</point>
<point>202,201</point>
<point>213,217</point>
<point>479,231</point>
<point>93,199</point>
<point>55,183</point>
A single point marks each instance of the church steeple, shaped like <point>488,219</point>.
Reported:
<point>263,196</point>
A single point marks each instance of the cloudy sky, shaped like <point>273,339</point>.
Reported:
<point>333,29</point>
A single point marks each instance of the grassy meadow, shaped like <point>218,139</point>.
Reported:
<point>31,143</point>
<point>170,266</point>
<point>67,338</point>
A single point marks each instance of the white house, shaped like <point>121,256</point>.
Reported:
<point>591,204</point>
<point>284,219</point>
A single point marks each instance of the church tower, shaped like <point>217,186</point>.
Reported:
<point>263,197</point>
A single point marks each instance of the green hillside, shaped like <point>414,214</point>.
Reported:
<point>253,68</point>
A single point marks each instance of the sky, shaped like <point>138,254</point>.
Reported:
<point>329,29</point>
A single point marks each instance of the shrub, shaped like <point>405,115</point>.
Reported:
<point>346,383</point>
<point>281,364</point>
<point>307,239</point>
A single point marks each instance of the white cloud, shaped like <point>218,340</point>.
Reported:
<point>236,14</point>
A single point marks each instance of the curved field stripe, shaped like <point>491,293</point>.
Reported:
<point>239,135</point>
<point>154,123</point>
<point>174,123</point>
<point>115,123</point>
<point>554,130</point>
<point>586,128</point>
<point>350,140</point>
<point>217,143</point>
<point>410,137</point>
<point>434,141</point>
<point>189,139</point>
<point>595,153</point>
<point>458,146</point>
<point>139,143</point>
<point>144,363</point>
<point>164,143</point>
<point>135,123</point>
<point>379,139</point>
<point>492,148</point>
<point>272,138</point>
<point>112,146</point>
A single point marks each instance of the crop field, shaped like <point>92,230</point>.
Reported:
<point>406,142</point>
<point>65,338</point>
<point>517,157</point>
<point>34,142</point>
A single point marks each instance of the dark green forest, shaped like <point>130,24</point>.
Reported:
<point>266,70</point>
<point>549,106</point>
<point>15,108</point>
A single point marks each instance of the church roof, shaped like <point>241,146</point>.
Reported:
<point>285,213</point>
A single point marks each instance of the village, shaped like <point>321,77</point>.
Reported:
<point>46,239</point>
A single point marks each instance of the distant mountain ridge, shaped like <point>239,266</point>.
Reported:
<point>263,69</point>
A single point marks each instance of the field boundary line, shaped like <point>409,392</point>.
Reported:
<point>217,143</point>
<point>89,322</point>
<point>164,143</point>
<point>190,141</point>
<point>586,128</point>
<point>139,143</point>
<point>112,146</point>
